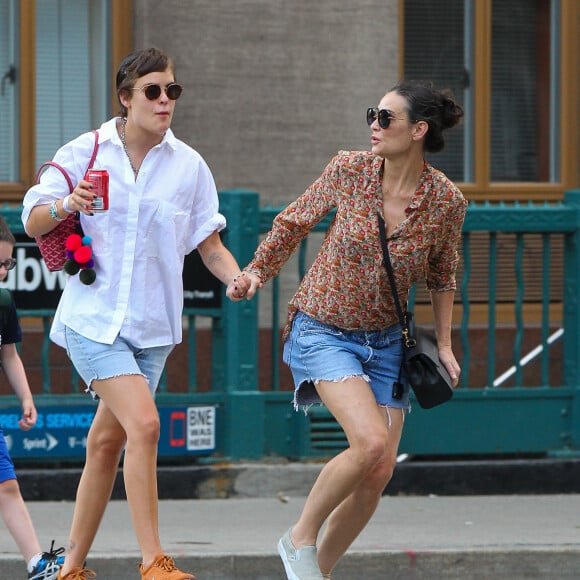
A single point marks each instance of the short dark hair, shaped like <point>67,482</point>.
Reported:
<point>6,234</point>
<point>438,108</point>
<point>137,64</point>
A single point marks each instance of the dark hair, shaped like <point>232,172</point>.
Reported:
<point>6,234</point>
<point>437,108</point>
<point>137,64</point>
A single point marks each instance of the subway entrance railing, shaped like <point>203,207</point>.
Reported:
<point>226,395</point>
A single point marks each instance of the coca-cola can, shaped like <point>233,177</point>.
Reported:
<point>99,179</point>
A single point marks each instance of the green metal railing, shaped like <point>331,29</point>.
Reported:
<point>554,222</point>
<point>484,417</point>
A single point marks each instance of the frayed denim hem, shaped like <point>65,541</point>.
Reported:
<point>305,395</point>
<point>96,397</point>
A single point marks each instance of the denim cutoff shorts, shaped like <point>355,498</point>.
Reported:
<point>315,352</point>
<point>98,361</point>
<point>6,463</point>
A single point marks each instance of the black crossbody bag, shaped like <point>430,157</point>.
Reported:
<point>426,374</point>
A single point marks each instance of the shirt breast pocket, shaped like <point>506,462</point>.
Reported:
<point>168,227</point>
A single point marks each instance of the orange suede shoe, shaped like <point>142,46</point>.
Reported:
<point>163,568</point>
<point>77,574</point>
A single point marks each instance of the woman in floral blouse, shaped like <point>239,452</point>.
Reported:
<point>343,341</point>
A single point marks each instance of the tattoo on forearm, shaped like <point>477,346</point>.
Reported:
<point>213,259</point>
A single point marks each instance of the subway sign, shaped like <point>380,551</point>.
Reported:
<point>34,287</point>
<point>61,432</point>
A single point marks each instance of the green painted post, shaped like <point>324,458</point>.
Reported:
<point>518,306</point>
<point>546,256</point>
<point>492,305</point>
<point>466,362</point>
<point>235,337</point>
<point>237,334</point>
<point>571,320</point>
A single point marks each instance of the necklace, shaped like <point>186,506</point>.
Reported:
<point>123,125</point>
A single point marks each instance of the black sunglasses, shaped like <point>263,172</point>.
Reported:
<point>153,91</point>
<point>8,264</point>
<point>383,115</point>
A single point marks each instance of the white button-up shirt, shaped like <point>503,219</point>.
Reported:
<point>139,244</point>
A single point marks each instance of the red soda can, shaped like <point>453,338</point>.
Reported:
<point>99,179</point>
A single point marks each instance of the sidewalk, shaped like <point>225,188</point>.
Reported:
<point>421,537</point>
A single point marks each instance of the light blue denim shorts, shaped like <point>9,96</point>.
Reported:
<point>315,352</point>
<point>98,361</point>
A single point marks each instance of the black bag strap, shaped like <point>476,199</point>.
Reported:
<point>409,340</point>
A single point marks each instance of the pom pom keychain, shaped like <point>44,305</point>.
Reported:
<point>79,258</point>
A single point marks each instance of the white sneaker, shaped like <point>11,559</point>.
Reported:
<point>301,564</point>
<point>48,565</point>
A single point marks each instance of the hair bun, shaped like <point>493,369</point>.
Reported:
<point>451,111</point>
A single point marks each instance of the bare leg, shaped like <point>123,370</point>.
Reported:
<point>134,408</point>
<point>353,405</point>
<point>353,514</point>
<point>17,519</point>
<point>127,416</point>
<point>105,444</point>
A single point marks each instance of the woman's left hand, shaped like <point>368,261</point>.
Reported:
<point>448,359</point>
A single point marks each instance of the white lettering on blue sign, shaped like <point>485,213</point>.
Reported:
<point>9,421</point>
<point>46,443</point>
<point>74,442</point>
<point>68,420</point>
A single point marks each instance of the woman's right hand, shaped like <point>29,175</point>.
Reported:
<point>82,198</point>
<point>41,221</point>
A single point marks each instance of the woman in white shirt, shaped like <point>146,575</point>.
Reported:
<point>119,329</point>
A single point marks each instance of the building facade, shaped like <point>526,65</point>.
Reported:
<point>273,89</point>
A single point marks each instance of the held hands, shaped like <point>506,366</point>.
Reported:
<point>245,285</point>
<point>448,359</point>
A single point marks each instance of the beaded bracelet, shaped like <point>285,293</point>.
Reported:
<point>54,213</point>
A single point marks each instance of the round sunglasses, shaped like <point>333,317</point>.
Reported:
<point>384,117</point>
<point>153,91</point>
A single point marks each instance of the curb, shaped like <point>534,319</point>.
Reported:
<point>221,481</point>
<point>521,564</point>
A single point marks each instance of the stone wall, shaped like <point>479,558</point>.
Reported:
<point>273,89</point>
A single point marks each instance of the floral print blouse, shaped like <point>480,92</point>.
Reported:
<point>347,285</point>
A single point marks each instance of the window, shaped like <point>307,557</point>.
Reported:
<point>446,60</point>
<point>71,63</point>
<point>56,78</point>
<point>8,92</point>
<point>513,65</point>
<point>525,87</point>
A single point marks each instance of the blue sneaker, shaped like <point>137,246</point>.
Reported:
<point>48,566</point>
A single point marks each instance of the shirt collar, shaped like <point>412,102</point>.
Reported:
<point>424,187</point>
<point>108,132</point>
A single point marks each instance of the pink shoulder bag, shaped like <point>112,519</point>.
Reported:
<point>52,244</point>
